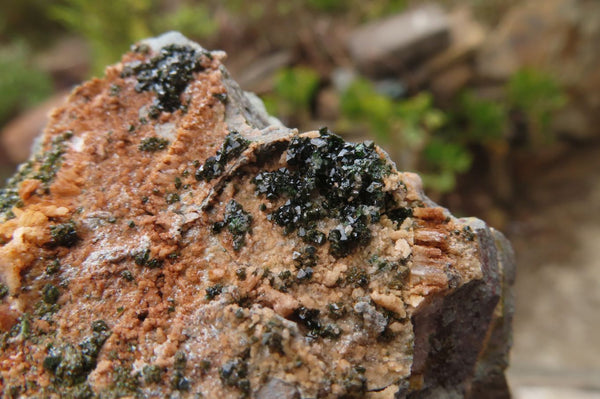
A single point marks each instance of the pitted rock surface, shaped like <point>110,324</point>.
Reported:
<point>169,238</point>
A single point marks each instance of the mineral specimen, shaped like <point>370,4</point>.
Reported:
<point>170,239</point>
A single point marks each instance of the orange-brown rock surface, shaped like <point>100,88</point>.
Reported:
<point>169,238</point>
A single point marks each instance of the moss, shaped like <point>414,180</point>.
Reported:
<point>153,144</point>
<point>64,234</point>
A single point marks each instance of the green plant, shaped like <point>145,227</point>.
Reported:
<point>410,131</point>
<point>193,20</point>
<point>380,8</point>
<point>110,27</point>
<point>21,84</point>
<point>327,5</point>
<point>538,96</point>
<point>481,121</point>
<point>293,93</point>
<point>445,160</point>
<point>362,104</point>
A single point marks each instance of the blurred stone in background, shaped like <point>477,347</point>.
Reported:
<point>558,36</point>
<point>18,135</point>
<point>394,44</point>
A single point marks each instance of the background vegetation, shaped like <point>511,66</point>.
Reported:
<point>440,143</point>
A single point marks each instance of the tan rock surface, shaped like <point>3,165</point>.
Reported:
<point>170,238</point>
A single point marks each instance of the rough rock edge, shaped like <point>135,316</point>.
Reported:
<point>244,111</point>
<point>459,369</point>
<point>457,366</point>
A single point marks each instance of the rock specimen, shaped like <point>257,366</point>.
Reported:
<point>169,238</point>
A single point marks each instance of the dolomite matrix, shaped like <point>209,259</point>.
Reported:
<point>168,238</point>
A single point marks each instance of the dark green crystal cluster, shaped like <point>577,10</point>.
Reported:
<point>327,178</point>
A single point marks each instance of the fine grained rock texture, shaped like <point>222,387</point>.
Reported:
<point>169,238</point>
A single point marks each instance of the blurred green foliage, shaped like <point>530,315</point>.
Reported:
<point>27,20</point>
<point>21,84</point>
<point>444,161</point>
<point>363,104</point>
<point>537,96</point>
<point>419,136</point>
<point>293,93</point>
<point>532,93</point>
<point>437,143</point>
<point>109,27</point>
<point>193,20</point>
<point>485,121</point>
<point>364,10</point>
<point>410,131</point>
